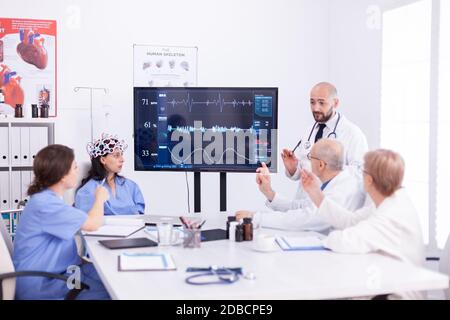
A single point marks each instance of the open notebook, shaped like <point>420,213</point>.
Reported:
<point>117,227</point>
<point>136,261</point>
<point>300,243</point>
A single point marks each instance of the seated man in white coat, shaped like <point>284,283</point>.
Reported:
<point>343,186</point>
<point>390,226</point>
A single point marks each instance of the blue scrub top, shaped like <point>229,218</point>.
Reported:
<point>45,242</point>
<point>128,200</point>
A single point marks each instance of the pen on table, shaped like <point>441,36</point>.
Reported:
<point>201,225</point>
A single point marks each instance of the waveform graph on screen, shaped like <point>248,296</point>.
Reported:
<point>205,129</point>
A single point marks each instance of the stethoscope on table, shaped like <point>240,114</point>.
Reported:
<point>330,135</point>
<point>224,275</point>
<point>220,275</point>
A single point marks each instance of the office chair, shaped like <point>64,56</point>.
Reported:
<point>8,275</point>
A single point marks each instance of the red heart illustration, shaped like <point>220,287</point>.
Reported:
<point>3,70</point>
<point>31,49</point>
<point>10,85</point>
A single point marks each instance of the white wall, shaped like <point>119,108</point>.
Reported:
<point>355,62</point>
<point>241,43</point>
<point>356,57</point>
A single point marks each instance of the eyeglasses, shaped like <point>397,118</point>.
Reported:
<point>309,156</point>
<point>362,170</point>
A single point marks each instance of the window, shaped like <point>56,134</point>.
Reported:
<point>416,107</point>
<point>443,138</point>
<point>405,96</point>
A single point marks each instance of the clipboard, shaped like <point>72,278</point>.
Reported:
<point>300,243</point>
<point>135,261</point>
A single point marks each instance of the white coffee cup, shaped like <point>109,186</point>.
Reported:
<point>264,243</point>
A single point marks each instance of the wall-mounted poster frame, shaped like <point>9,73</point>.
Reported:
<point>164,66</point>
<point>28,65</point>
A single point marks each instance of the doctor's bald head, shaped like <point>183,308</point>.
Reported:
<point>323,101</point>
<point>327,158</point>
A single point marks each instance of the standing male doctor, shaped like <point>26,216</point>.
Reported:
<point>329,123</point>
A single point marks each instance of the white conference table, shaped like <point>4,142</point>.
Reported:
<point>278,275</point>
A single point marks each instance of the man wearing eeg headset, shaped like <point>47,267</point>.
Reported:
<point>329,124</point>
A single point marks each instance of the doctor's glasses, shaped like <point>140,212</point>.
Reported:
<point>362,171</point>
<point>309,156</point>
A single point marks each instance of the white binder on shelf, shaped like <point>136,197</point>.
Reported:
<point>25,146</point>
<point>26,180</point>
<point>4,148</point>
<point>4,190</point>
<point>16,192</point>
<point>38,140</point>
<point>15,146</point>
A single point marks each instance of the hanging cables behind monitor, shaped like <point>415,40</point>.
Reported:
<point>188,197</point>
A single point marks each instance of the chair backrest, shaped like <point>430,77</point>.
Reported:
<point>7,266</point>
<point>444,264</point>
<point>6,237</point>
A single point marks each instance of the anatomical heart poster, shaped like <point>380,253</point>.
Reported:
<point>164,66</point>
<point>28,65</point>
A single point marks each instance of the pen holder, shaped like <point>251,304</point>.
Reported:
<point>192,238</point>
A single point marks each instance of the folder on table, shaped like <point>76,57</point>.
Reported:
<point>136,261</point>
<point>306,243</point>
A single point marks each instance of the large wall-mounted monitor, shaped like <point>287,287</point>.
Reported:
<point>205,129</point>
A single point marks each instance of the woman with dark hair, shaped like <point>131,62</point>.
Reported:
<point>45,237</point>
<point>107,162</point>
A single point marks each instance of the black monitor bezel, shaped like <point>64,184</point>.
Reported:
<point>273,169</point>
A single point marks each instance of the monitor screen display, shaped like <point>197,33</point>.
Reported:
<point>205,129</point>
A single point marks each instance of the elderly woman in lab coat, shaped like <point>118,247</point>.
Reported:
<point>389,226</point>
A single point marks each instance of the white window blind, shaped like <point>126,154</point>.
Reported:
<point>405,96</point>
<point>443,150</point>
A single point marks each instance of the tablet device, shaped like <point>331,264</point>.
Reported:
<point>128,243</point>
<point>213,235</point>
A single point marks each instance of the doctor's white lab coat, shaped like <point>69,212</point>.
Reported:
<point>347,133</point>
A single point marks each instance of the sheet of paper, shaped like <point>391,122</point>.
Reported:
<point>114,231</point>
<point>299,242</point>
<point>119,221</point>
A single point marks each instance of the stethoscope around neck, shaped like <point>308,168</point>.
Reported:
<point>331,135</point>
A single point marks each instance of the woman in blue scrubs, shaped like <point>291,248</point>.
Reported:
<point>45,237</point>
<point>107,161</point>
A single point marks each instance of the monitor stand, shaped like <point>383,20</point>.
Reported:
<point>197,192</point>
